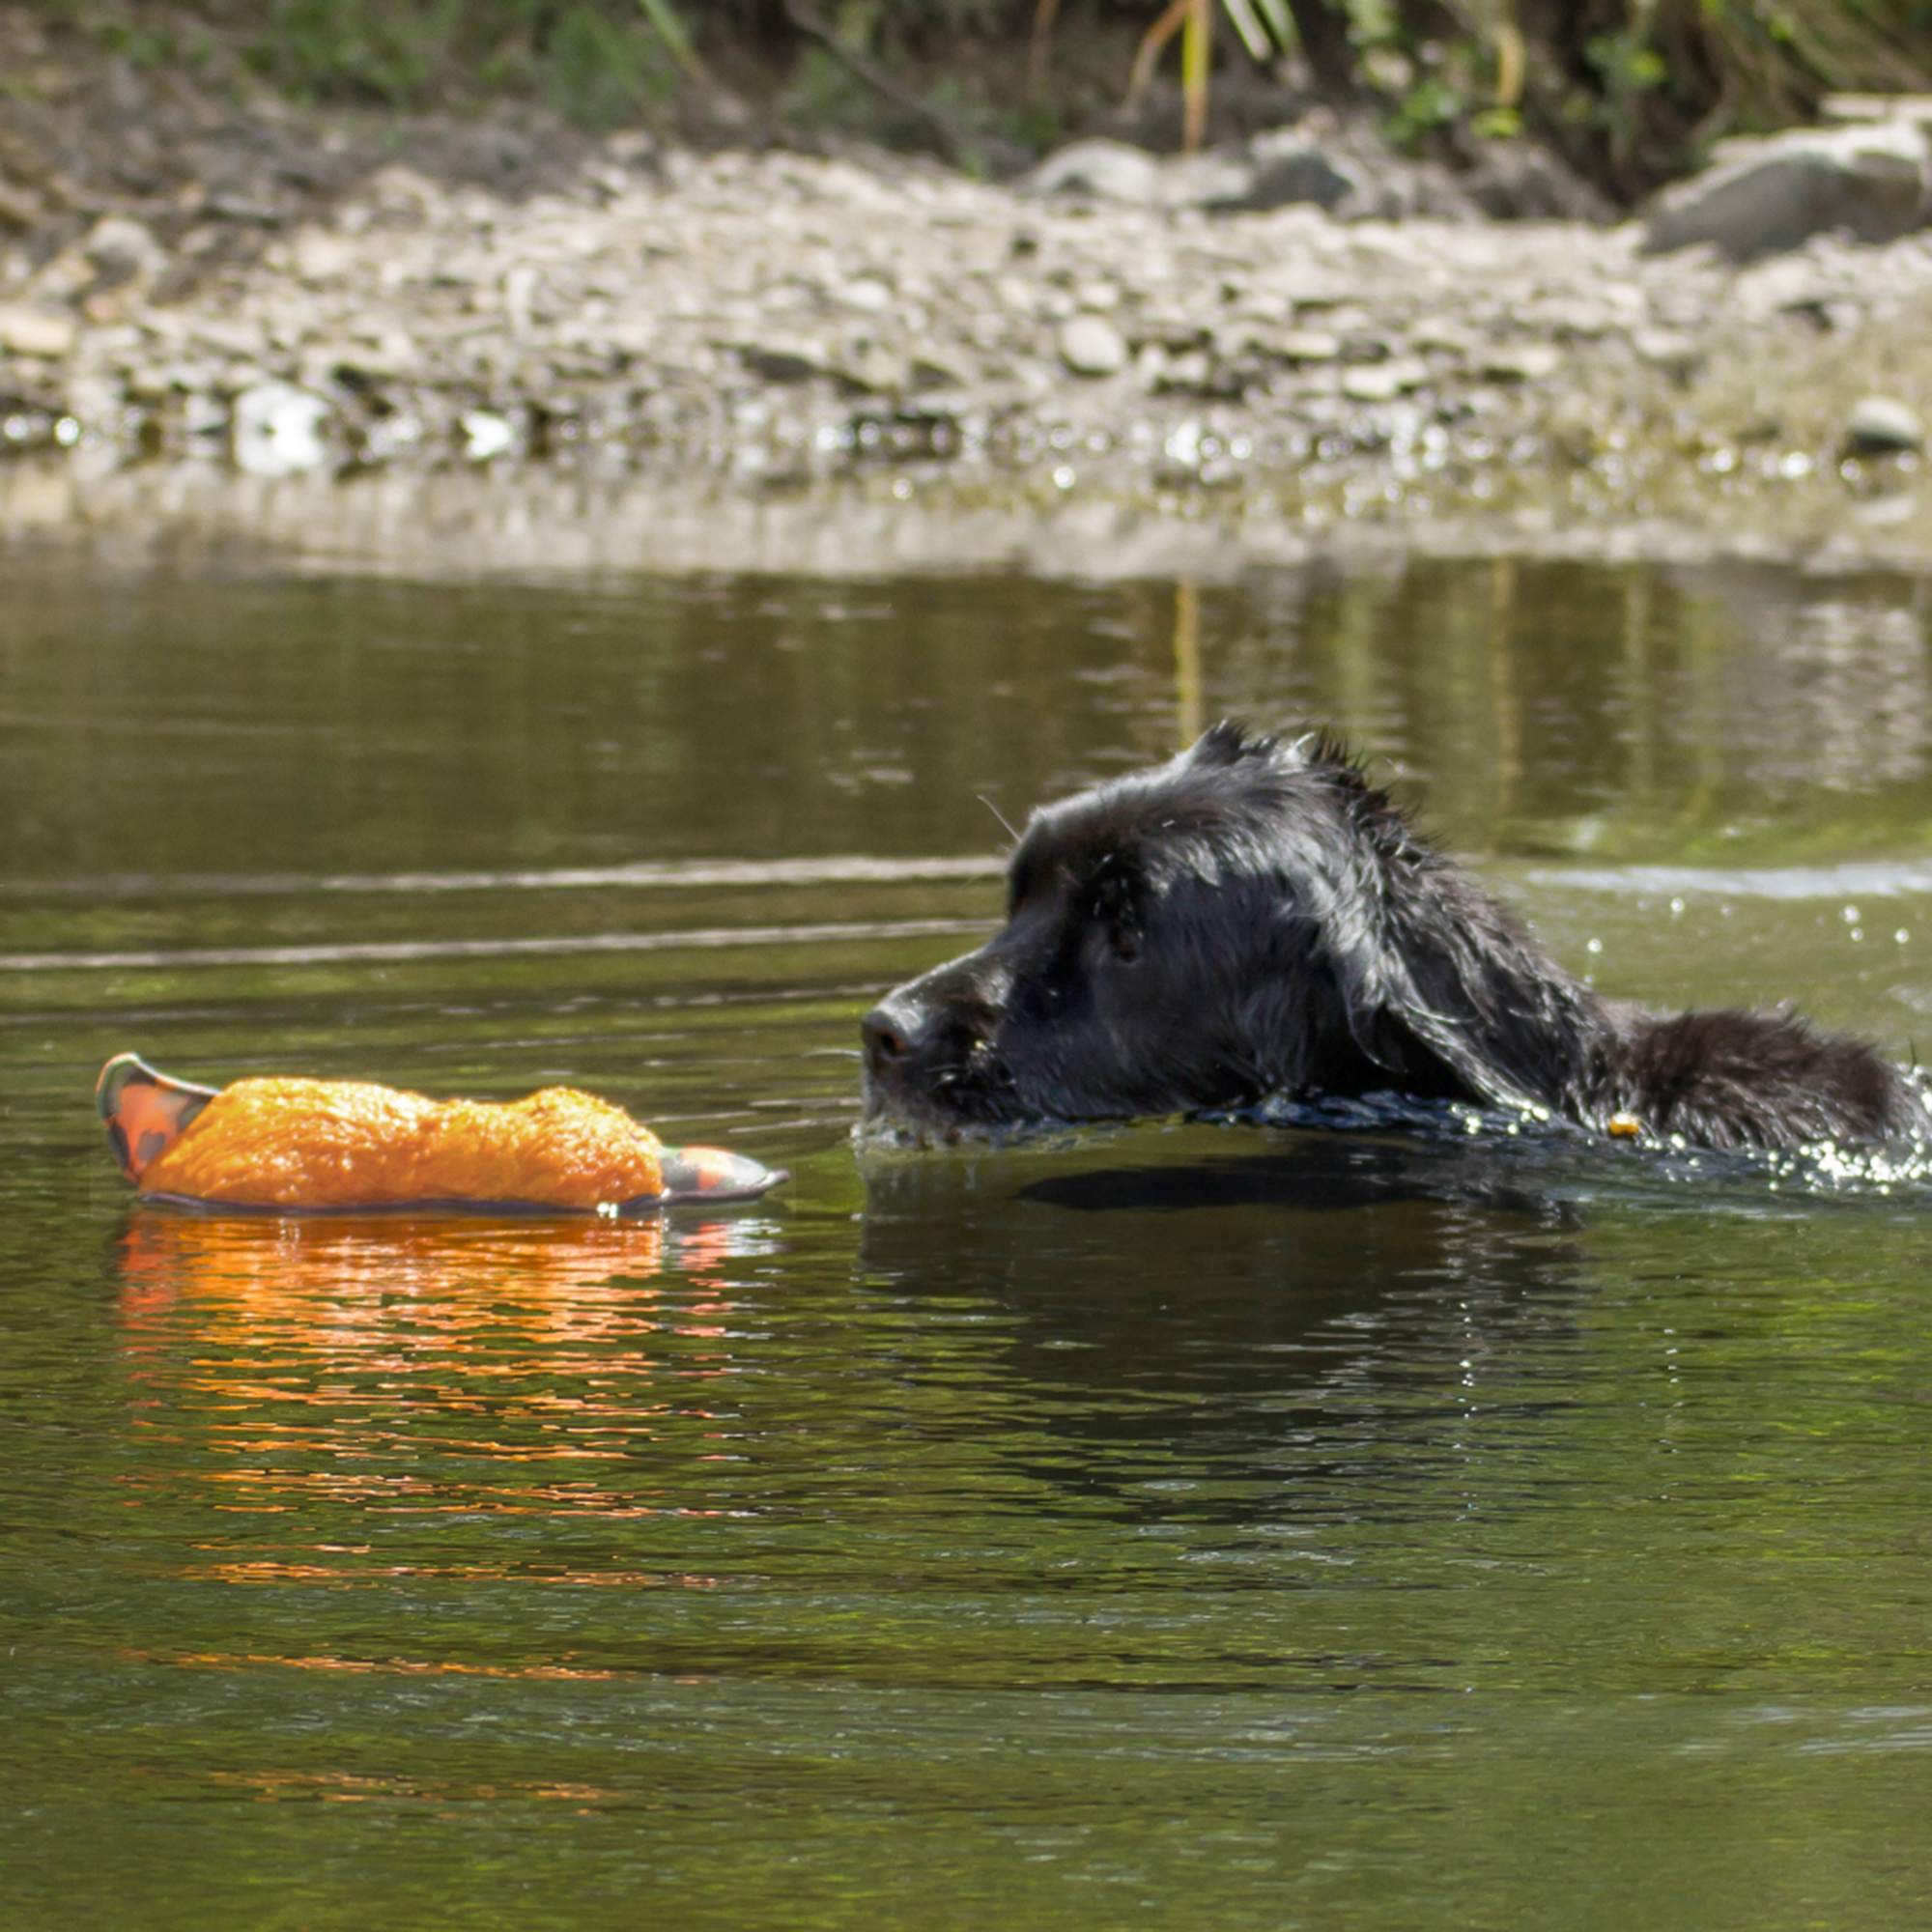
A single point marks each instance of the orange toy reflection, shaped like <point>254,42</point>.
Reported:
<point>292,1273</point>
<point>321,1280</point>
<point>324,1387</point>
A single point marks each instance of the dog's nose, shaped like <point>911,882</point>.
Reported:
<point>886,1039</point>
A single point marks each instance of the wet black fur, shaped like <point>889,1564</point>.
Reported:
<point>1255,920</point>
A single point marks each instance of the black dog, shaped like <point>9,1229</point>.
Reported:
<point>1253,919</point>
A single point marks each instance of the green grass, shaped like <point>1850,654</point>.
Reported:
<point>600,62</point>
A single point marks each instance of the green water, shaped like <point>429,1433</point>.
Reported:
<point>1168,1526</point>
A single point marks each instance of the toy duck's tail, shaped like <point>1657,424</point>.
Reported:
<point>694,1174</point>
<point>144,1111</point>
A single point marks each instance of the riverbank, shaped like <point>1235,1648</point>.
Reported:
<point>773,329</point>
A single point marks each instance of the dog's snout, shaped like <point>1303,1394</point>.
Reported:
<point>935,1036</point>
<point>886,1035</point>
<point>923,1027</point>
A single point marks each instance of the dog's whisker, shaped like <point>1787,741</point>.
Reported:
<point>1005,823</point>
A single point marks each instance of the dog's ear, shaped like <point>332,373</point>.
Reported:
<point>1450,979</point>
<point>1450,1043</point>
<point>1227,744</point>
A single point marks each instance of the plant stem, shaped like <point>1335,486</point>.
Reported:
<point>1044,13</point>
<point>953,139</point>
<point>1146,56</point>
<point>672,32</point>
<point>1196,56</point>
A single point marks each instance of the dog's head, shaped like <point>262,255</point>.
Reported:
<point>1219,928</point>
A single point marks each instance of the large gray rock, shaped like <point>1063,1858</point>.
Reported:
<point>1224,178</point>
<point>1397,191</point>
<point>1349,172</point>
<point>1289,169</point>
<point>1113,171</point>
<point>1378,185</point>
<point>1106,170</point>
<point>1764,196</point>
<point>1519,180</point>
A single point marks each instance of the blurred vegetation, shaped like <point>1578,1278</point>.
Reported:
<point>1632,91</point>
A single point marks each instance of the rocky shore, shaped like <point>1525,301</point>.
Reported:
<point>769,325</point>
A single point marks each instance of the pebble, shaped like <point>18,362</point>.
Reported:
<point>278,430</point>
<point>37,333</point>
<point>1091,346</point>
<point>784,361</point>
<point>1883,426</point>
<point>486,434</point>
<point>866,294</point>
<point>1310,345</point>
<point>1383,381</point>
<point>1667,348</point>
<point>1528,362</point>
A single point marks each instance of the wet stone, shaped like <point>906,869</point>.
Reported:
<point>1383,381</point>
<point>278,430</point>
<point>1525,363</point>
<point>35,332</point>
<point>784,362</point>
<point>1310,345</point>
<point>1883,426</point>
<point>1091,346</point>
<point>486,434</point>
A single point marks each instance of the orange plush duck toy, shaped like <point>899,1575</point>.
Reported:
<point>290,1147</point>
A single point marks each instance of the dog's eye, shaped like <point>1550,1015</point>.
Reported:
<point>1112,909</point>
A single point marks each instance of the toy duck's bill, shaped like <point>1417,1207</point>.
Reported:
<point>323,1147</point>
